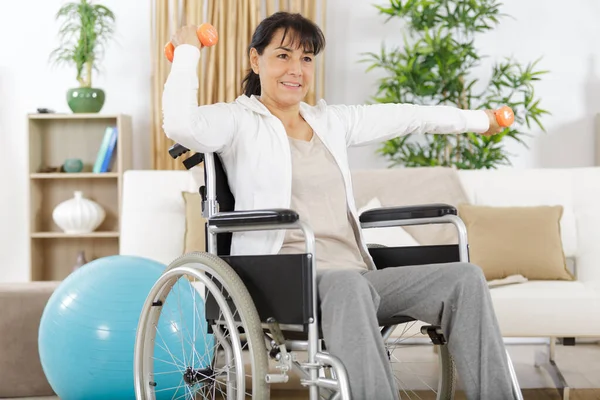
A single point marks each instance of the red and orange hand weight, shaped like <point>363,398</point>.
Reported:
<point>504,116</point>
<point>207,34</point>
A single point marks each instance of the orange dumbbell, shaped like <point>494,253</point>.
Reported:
<point>504,116</point>
<point>207,34</point>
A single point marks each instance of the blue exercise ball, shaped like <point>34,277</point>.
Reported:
<point>88,327</point>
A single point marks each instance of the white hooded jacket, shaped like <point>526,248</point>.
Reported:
<point>254,148</point>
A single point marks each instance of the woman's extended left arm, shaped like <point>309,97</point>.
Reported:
<point>367,124</point>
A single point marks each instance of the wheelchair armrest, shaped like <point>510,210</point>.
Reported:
<point>253,217</point>
<point>407,212</point>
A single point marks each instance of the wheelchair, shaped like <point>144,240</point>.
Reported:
<point>262,310</point>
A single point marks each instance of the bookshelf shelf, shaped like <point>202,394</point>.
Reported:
<point>61,235</point>
<point>77,175</point>
<point>54,138</point>
<point>70,117</point>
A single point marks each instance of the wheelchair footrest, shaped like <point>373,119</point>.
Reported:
<point>434,333</point>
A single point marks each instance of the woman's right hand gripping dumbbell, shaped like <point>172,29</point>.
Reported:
<point>199,36</point>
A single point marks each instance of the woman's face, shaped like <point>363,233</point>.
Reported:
<point>286,71</point>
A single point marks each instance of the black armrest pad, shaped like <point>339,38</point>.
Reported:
<point>254,217</point>
<point>409,212</point>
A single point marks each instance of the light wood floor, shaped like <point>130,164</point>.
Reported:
<point>528,394</point>
<point>580,366</point>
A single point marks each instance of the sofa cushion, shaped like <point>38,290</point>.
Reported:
<point>547,308</point>
<point>506,241</point>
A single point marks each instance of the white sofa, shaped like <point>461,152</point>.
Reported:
<point>153,226</point>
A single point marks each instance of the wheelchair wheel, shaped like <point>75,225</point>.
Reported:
<point>420,369</point>
<point>216,358</point>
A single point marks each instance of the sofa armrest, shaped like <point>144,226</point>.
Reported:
<point>239,219</point>
<point>21,369</point>
<point>421,211</point>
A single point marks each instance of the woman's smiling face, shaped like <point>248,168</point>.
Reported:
<point>286,70</point>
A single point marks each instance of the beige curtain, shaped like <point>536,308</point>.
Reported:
<point>222,67</point>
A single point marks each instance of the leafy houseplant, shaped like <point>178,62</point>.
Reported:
<point>85,29</point>
<point>434,67</point>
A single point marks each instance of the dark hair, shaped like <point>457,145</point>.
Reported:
<point>305,31</point>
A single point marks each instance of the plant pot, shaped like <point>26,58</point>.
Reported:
<point>85,100</point>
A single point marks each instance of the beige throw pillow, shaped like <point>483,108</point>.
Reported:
<point>507,241</point>
<point>194,239</point>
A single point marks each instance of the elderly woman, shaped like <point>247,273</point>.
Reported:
<point>280,152</point>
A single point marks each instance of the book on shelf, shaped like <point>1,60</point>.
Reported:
<point>106,152</point>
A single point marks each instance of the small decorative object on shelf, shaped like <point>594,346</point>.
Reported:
<point>48,169</point>
<point>73,165</point>
<point>81,261</point>
<point>43,110</point>
<point>78,215</point>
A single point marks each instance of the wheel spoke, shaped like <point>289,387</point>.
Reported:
<point>415,377</point>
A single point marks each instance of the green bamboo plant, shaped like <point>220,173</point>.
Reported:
<point>85,30</point>
<point>435,66</point>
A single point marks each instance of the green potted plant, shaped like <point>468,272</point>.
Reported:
<point>84,32</point>
<point>435,67</point>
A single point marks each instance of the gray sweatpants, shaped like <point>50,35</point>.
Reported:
<point>454,296</point>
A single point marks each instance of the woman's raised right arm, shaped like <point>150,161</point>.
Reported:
<point>205,129</point>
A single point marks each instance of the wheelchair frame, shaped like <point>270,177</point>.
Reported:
<point>210,210</point>
<point>277,219</point>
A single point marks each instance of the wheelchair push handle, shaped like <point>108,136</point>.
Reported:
<point>505,116</point>
<point>207,35</point>
<point>177,150</point>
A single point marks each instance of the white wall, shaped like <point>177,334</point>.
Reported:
<point>27,82</point>
<point>566,36</point>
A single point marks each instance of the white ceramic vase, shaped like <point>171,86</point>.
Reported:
<point>78,215</point>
